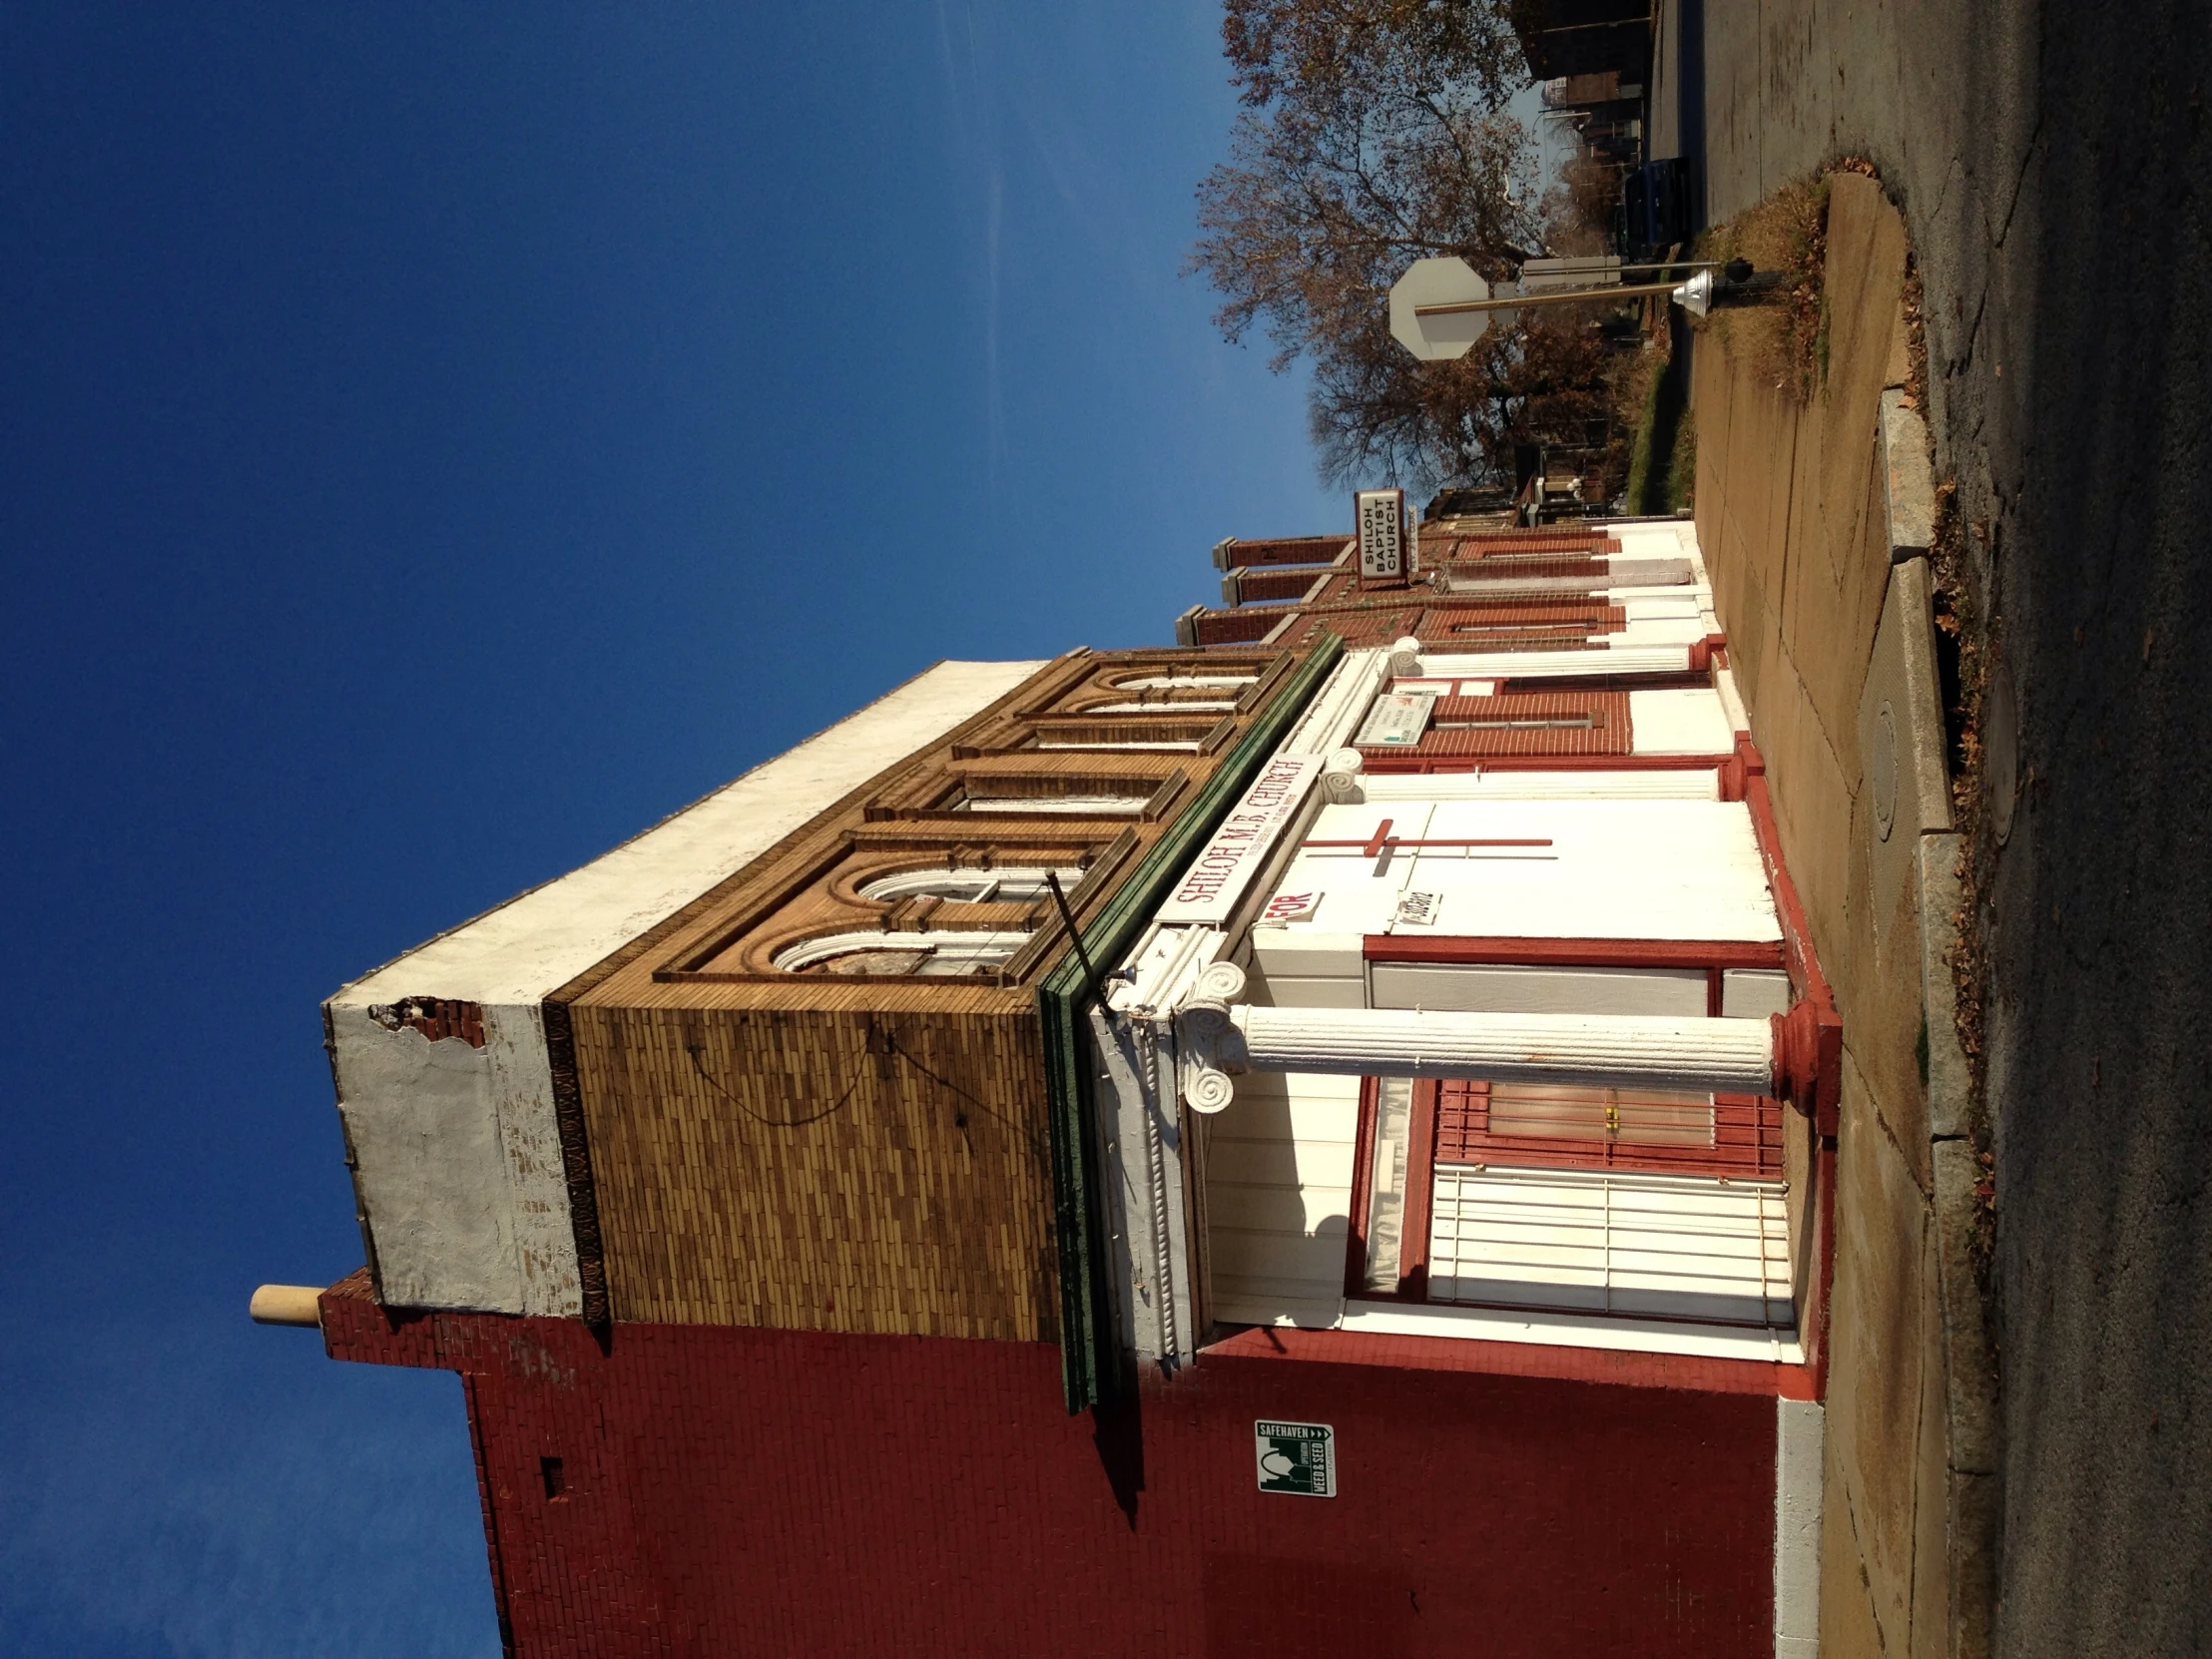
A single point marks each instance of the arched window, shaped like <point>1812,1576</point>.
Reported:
<point>1179,705</point>
<point>1142,745</point>
<point>1177,682</point>
<point>1183,692</point>
<point>919,955</point>
<point>1102,805</point>
<point>1021,884</point>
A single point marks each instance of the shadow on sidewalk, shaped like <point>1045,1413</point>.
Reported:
<point>1689,62</point>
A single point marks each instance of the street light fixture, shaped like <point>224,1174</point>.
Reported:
<point>1440,307</point>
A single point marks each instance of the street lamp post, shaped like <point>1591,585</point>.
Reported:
<point>1440,307</point>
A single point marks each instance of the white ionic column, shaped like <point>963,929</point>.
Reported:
<point>1217,1035</point>
<point>1340,776</point>
<point>1639,1051</point>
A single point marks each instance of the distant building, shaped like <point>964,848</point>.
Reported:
<point>1570,39</point>
<point>1399,1218</point>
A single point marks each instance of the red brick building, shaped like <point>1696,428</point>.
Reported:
<point>1475,586</point>
<point>1303,1140</point>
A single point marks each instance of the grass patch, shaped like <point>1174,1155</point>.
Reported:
<point>1785,340</point>
<point>1682,467</point>
<point>1662,454</point>
<point>1639,446</point>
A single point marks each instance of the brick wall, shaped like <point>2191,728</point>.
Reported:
<point>1548,539</point>
<point>730,1491</point>
<point>1236,627</point>
<point>1608,731</point>
<point>1291,583</point>
<point>1285,550</point>
<point>1526,566</point>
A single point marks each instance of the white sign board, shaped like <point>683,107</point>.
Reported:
<point>1381,516</point>
<point>1445,282</point>
<point>1286,907</point>
<point>1397,721</point>
<point>1233,855</point>
<point>1418,909</point>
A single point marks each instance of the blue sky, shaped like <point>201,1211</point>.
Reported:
<point>440,440</point>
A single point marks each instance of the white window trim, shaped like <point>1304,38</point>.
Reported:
<point>1185,748</point>
<point>1196,706</point>
<point>1168,682</point>
<point>1686,1246</point>
<point>929,882</point>
<point>978,949</point>
<point>1094,805</point>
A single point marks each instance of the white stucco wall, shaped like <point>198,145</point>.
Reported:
<point>1613,870</point>
<point>1279,1198</point>
<point>456,1148</point>
<point>1689,721</point>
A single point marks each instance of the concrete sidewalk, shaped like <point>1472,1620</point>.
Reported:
<point>1815,523</point>
<point>2049,164</point>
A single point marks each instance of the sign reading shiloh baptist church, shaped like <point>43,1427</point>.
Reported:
<point>1297,1458</point>
<point>1381,516</point>
<point>1233,855</point>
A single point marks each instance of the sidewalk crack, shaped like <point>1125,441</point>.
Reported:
<point>2019,181</point>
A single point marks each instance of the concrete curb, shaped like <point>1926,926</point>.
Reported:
<point>1970,1424</point>
<point>1908,490</point>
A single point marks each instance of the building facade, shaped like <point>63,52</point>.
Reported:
<point>1315,1136</point>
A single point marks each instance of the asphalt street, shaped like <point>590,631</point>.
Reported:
<point>2055,164</point>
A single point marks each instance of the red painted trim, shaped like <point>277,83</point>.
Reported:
<point>1421,1191</point>
<point>1362,1188</point>
<point>1825,1044</point>
<point>1827,1036</point>
<point>1522,952</point>
<point>1733,774</point>
<point>1800,1382</point>
<point>1496,1359</point>
<point>1812,1319</point>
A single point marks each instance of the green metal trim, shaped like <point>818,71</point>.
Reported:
<point>1090,1348</point>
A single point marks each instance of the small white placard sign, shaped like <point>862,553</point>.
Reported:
<point>1397,721</point>
<point>1418,909</point>
<point>1215,880</point>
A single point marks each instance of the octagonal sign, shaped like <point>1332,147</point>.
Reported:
<point>1444,282</point>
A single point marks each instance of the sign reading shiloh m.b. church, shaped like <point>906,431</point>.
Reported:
<point>1380,518</point>
<point>1233,855</point>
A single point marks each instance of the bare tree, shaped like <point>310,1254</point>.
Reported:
<point>1373,133</point>
<point>1377,412</point>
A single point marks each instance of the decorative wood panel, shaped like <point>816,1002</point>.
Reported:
<point>869,1152</point>
<point>822,1170</point>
